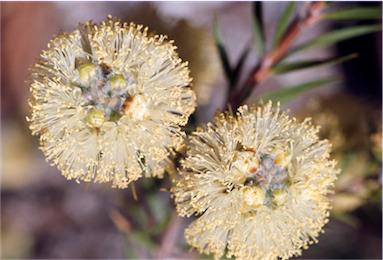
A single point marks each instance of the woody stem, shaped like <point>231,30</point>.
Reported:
<point>264,69</point>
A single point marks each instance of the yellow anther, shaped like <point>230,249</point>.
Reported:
<point>118,82</point>
<point>96,117</point>
<point>87,72</point>
<point>279,197</point>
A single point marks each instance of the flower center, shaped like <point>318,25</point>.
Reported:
<point>265,178</point>
<point>107,95</point>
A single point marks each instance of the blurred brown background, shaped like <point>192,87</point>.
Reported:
<point>45,216</point>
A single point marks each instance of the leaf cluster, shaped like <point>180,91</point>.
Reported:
<point>289,26</point>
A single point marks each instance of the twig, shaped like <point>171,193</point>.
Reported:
<point>170,237</point>
<point>264,69</point>
<point>120,221</point>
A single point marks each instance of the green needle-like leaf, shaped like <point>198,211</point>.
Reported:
<point>128,246</point>
<point>238,68</point>
<point>283,23</point>
<point>301,65</point>
<point>336,36</point>
<point>258,27</point>
<point>346,218</point>
<point>355,13</point>
<point>143,239</point>
<point>285,94</point>
<point>222,50</point>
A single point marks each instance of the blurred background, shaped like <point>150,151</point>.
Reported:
<point>45,216</point>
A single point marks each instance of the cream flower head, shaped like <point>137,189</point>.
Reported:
<point>259,183</point>
<point>108,101</point>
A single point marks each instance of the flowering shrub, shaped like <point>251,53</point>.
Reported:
<point>111,101</point>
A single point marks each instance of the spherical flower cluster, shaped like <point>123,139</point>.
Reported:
<point>259,181</point>
<point>108,101</point>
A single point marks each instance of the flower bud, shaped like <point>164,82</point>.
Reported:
<point>87,72</point>
<point>280,197</point>
<point>118,82</point>
<point>253,196</point>
<point>96,117</point>
<point>282,157</point>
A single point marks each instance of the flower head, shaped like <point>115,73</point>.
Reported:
<point>108,101</point>
<point>259,183</point>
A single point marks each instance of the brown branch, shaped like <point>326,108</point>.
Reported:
<point>170,237</point>
<point>263,70</point>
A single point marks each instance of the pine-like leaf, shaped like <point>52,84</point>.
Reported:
<point>286,93</point>
<point>283,23</point>
<point>336,36</point>
<point>259,38</point>
<point>301,65</point>
<point>355,13</point>
<point>238,68</point>
<point>222,50</point>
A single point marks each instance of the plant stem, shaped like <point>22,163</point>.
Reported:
<point>264,69</point>
<point>170,237</point>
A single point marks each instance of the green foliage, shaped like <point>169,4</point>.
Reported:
<point>259,35</point>
<point>325,40</point>
<point>222,49</point>
<point>336,36</point>
<point>301,65</point>
<point>346,218</point>
<point>232,74</point>
<point>284,23</point>
<point>287,93</point>
<point>142,238</point>
<point>238,68</point>
<point>355,13</point>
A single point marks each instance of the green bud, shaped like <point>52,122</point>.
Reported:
<point>280,197</point>
<point>96,117</point>
<point>118,82</point>
<point>87,72</point>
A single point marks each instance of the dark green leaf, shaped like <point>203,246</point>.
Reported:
<point>258,27</point>
<point>238,68</point>
<point>355,13</point>
<point>346,218</point>
<point>222,50</point>
<point>285,94</point>
<point>128,247</point>
<point>301,65</point>
<point>143,239</point>
<point>337,36</point>
<point>347,161</point>
<point>157,207</point>
<point>283,23</point>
